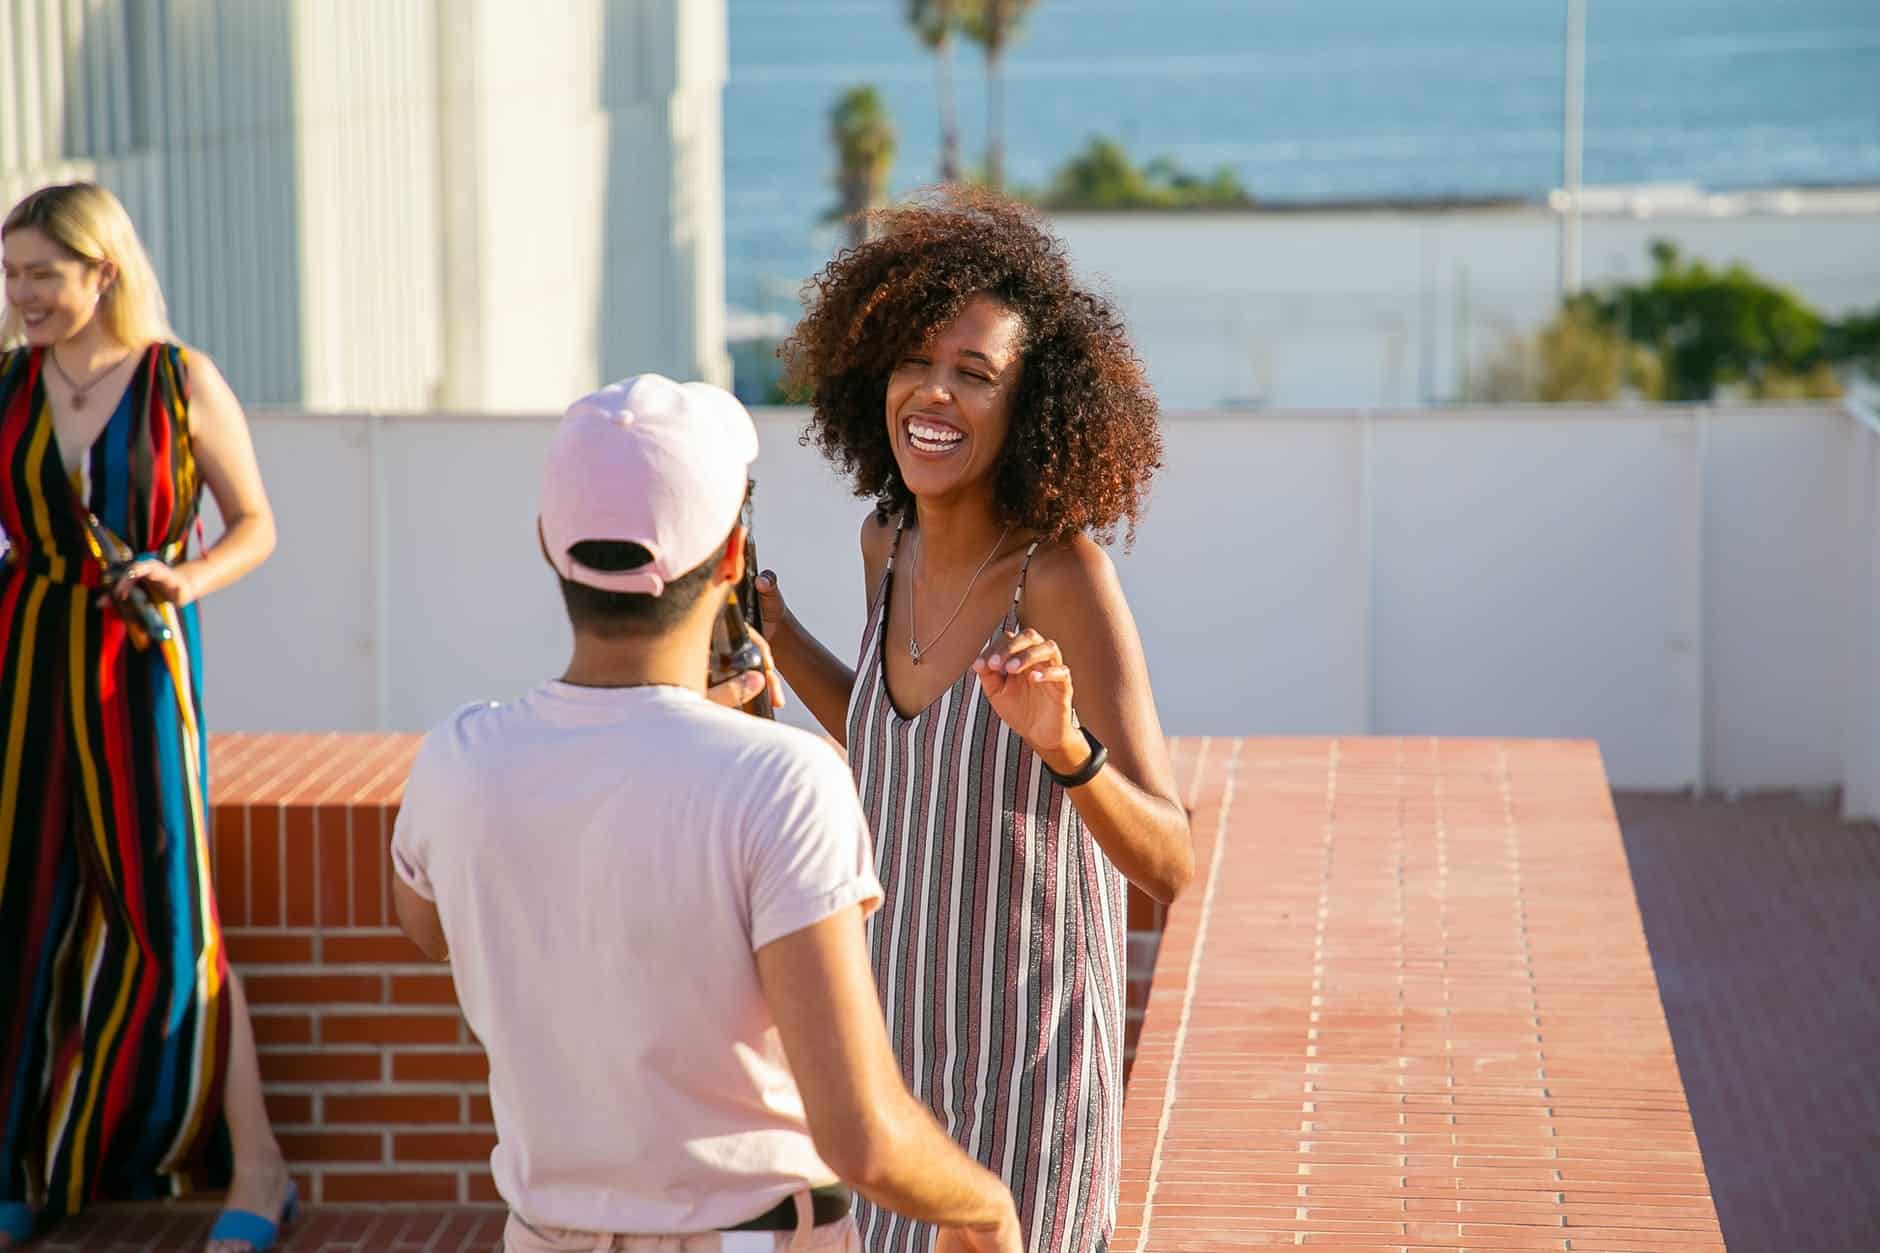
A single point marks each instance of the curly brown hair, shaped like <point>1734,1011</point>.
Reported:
<point>1084,438</point>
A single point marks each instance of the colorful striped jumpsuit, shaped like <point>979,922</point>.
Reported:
<point>113,1023</point>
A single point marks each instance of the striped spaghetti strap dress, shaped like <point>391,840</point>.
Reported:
<point>113,1021</point>
<point>998,953</point>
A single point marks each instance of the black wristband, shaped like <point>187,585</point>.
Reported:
<point>1086,772</point>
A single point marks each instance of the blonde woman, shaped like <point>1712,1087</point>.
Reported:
<point>127,1061</point>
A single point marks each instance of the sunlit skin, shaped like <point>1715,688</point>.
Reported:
<point>57,295</point>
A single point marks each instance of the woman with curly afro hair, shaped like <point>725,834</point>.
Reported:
<point>999,720</point>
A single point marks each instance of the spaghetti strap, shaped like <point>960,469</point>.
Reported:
<point>887,571</point>
<point>894,546</point>
<point>1018,590</point>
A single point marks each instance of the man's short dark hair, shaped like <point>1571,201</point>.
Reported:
<point>615,614</point>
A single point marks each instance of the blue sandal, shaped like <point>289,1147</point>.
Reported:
<point>17,1221</point>
<point>261,1235</point>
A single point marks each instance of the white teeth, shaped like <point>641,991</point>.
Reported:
<point>932,438</point>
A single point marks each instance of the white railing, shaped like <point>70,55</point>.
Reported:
<point>1671,582</point>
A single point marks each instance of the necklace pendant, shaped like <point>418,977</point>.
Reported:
<point>913,651</point>
<point>78,399</point>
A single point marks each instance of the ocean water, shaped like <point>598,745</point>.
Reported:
<point>1307,100</point>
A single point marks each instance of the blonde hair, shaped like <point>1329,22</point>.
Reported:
<point>90,223</point>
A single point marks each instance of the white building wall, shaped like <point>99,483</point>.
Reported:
<point>1682,586</point>
<point>186,111</point>
<point>397,204</point>
<point>366,99</point>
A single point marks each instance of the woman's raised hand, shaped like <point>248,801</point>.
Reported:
<point>1024,677</point>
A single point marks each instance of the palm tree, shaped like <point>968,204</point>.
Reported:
<point>993,24</point>
<point>863,134</point>
<point>933,22</point>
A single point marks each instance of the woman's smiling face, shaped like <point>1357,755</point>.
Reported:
<point>949,403</point>
<point>54,292</point>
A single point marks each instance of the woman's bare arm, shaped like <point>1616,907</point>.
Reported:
<point>823,680</point>
<point>225,458</point>
<point>1077,630</point>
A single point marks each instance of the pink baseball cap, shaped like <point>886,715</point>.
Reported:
<point>651,462</point>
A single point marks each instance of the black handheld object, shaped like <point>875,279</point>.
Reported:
<point>734,652</point>
<point>147,625</point>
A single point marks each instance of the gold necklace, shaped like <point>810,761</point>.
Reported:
<point>914,650</point>
<point>78,392</point>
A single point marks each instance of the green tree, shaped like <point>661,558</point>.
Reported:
<point>1688,334</point>
<point>864,139</point>
<point>993,25</point>
<point>1103,176</point>
<point>1100,177</point>
<point>1714,328</point>
<point>1854,342</point>
<point>934,22</point>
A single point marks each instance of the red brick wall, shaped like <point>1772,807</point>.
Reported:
<point>1147,918</point>
<point>377,1090</point>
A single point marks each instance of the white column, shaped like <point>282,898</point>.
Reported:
<point>370,289</point>
<point>664,229</point>
<point>583,218</point>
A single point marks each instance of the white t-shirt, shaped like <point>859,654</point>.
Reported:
<point>606,862</point>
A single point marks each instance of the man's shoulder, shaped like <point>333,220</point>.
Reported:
<point>466,727</point>
<point>471,738</point>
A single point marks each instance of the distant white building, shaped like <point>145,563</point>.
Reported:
<point>1394,305</point>
<point>398,204</point>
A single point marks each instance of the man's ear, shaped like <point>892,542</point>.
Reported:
<point>731,560</point>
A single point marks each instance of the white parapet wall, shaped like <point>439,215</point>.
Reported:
<point>1861,760</point>
<point>1694,589</point>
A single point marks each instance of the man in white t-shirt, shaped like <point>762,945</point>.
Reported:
<point>653,904</point>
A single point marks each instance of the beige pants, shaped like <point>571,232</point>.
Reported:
<point>839,1237</point>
